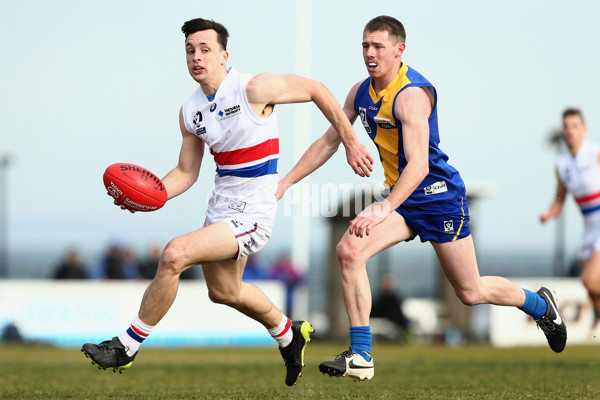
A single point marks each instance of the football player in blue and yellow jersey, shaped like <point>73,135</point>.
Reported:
<point>425,197</point>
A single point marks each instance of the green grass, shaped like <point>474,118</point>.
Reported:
<point>402,372</point>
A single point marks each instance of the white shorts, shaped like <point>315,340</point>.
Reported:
<point>591,236</point>
<point>591,244</point>
<point>250,235</point>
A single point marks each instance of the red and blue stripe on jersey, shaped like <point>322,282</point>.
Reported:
<point>249,162</point>
<point>589,203</point>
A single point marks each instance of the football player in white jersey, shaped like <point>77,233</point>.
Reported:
<point>226,120</point>
<point>578,172</point>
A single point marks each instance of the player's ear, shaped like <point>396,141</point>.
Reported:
<point>225,57</point>
<point>400,47</point>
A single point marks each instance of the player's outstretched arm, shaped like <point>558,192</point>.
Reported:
<point>320,151</point>
<point>266,89</point>
<point>558,203</point>
<point>316,155</point>
<point>183,176</point>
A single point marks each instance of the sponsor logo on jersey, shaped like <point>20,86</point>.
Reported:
<point>230,112</point>
<point>384,123</point>
<point>213,107</point>
<point>237,205</point>
<point>373,108</point>
<point>363,118</point>
<point>449,227</point>
<point>438,187</point>
<point>199,124</point>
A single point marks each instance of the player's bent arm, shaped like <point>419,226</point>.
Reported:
<point>185,174</point>
<point>267,88</point>
<point>558,203</point>
<point>413,108</point>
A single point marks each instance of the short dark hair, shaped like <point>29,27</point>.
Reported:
<point>200,24</point>
<point>571,112</point>
<point>389,24</point>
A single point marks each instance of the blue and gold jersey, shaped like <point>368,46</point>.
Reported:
<point>376,111</point>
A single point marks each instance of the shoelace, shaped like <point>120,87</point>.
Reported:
<point>546,325</point>
<point>345,353</point>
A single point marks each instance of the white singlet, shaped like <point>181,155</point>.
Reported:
<point>581,176</point>
<point>245,149</point>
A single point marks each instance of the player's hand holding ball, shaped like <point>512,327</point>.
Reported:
<point>134,188</point>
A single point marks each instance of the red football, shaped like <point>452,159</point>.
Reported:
<point>135,187</point>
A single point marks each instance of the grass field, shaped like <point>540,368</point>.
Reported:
<point>402,372</point>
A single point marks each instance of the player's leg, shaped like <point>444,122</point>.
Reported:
<point>590,277</point>
<point>213,242</point>
<point>459,264</point>
<point>353,253</point>
<point>225,286</point>
<point>210,243</point>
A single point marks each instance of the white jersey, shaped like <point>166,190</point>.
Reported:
<point>245,149</point>
<point>581,176</point>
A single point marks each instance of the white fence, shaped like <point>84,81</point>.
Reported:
<point>510,327</point>
<point>69,313</point>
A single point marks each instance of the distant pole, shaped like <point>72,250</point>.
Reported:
<point>4,164</point>
<point>559,234</point>
<point>302,130</point>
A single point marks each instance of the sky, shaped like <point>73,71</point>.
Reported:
<point>88,84</point>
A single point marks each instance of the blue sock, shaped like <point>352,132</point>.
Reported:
<point>534,305</point>
<point>360,341</point>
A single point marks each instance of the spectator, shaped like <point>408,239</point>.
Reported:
<point>149,264</point>
<point>71,267</point>
<point>253,269</point>
<point>284,270</point>
<point>110,265</point>
<point>389,304</point>
<point>130,263</point>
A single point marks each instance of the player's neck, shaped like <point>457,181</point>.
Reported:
<point>380,83</point>
<point>574,149</point>
<point>211,85</point>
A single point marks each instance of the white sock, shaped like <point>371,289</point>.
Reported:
<point>282,332</point>
<point>133,337</point>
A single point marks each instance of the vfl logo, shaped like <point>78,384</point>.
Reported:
<point>199,124</point>
<point>363,118</point>
<point>237,205</point>
<point>213,107</point>
<point>449,227</point>
<point>438,187</point>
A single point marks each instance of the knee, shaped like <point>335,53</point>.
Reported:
<point>171,260</point>
<point>348,254</point>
